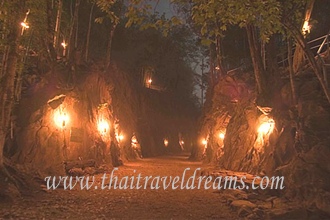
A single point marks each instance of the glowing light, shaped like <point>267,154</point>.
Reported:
<point>25,25</point>
<point>222,136</point>
<point>204,142</point>
<point>306,28</point>
<point>103,126</point>
<point>148,82</point>
<point>181,142</point>
<point>61,118</point>
<point>134,140</point>
<point>121,137</point>
<point>266,127</point>
<point>64,45</point>
<point>165,142</point>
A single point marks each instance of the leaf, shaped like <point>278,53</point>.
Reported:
<point>99,20</point>
<point>206,42</point>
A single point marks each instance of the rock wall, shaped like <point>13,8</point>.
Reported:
<point>297,147</point>
<point>43,145</point>
<point>113,96</point>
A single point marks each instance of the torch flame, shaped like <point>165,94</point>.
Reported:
<point>165,142</point>
<point>306,28</point>
<point>64,45</point>
<point>24,25</point>
<point>61,118</point>
<point>266,127</point>
<point>103,126</point>
<point>119,137</point>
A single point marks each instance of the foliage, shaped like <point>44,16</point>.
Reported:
<point>142,14</point>
<point>111,10</point>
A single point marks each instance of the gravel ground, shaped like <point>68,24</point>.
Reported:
<point>129,203</point>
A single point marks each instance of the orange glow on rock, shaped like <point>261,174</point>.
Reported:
<point>120,137</point>
<point>266,127</point>
<point>61,118</point>
<point>103,126</point>
<point>165,142</point>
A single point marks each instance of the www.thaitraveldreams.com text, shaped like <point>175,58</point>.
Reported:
<point>183,182</point>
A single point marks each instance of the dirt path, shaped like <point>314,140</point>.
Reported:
<point>127,204</point>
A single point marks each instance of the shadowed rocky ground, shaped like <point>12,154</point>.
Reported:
<point>153,204</point>
<point>128,204</point>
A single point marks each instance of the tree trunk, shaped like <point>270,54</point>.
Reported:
<point>271,62</point>
<point>202,83</point>
<point>263,97</point>
<point>108,54</point>
<point>89,32</point>
<point>219,67</point>
<point>291,72</point>
<point>7,86</point>
<point>298,58</point>
<point>297,35</point>
<point>49,38</point>
<point>263,54</point>
<point>73,32</point>
<point>211,75</point>
<point>4,60</point>
<point>58,26</point>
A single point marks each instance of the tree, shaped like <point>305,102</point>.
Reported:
<point>112,10</point>
<point>16,11</point>
<point>257,17</point>
<point>261,19</point>
<point>293,24</point>
<point>58,25</point>
<point>73,42</point>
<point>89,31</point>
<point>305,28</point>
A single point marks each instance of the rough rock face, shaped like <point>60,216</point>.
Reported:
<point>228,95</point>
<point>78,145</point>
<point>45,145</point>
<point>297,147</point>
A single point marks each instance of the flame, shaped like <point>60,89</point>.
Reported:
<point>266,127</point>
<point>119,137</point>
<point>61,118</point>
<point>134,140</point>
<point>25,25</point>
<point>306,28</point>
<point>103,126</point>
<point>64,45</point>
<point>165,142</point>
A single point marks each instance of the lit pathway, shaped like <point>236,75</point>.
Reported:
<point>128,204</point>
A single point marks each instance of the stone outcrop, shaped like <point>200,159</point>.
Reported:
<point>296,148</point>
<point>43,145</point>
